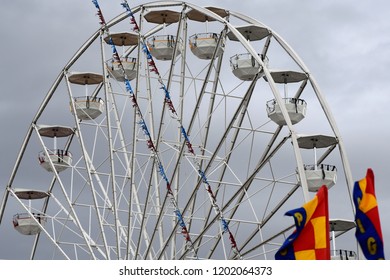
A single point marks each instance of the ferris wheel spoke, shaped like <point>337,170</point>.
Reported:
<point>183,145</point>
<point>268,217</point>
<point>240,112</point>
<point>240,192</point>
<point>207,125</point>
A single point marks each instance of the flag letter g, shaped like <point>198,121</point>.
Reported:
<point>371,245</point>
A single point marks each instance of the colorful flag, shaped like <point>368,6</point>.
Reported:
<point>368,226</point>
<point>310,240</point>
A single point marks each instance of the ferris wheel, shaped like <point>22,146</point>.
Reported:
<point>176,132</point>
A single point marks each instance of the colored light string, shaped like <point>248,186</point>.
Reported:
<point>142,124</point>
<point>171,107</point>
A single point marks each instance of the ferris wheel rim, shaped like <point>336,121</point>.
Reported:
<point>64,75</point>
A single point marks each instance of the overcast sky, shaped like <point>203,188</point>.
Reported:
<point>345,44</point>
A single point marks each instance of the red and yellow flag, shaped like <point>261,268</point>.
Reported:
<point>310,240</point>
<point>368,226</point>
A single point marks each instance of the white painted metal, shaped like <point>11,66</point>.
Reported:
<point>109,200</point>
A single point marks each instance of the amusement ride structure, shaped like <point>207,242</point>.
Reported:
<point>177,132</point>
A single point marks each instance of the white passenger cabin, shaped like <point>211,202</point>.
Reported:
<point>295,107</point>
<point>338,227</point>
<point>87,107</point>
<point>244,66</point>
<point>29,223</point>
<point>58,158</point>
<point>126,63</point>
<point>162,47</point>
<point>319,175</point>
<point>203,45</point>
<point>316,174</point>
<point>127,66</point>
